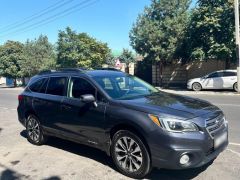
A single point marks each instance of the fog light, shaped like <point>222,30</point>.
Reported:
<point>184,159</point>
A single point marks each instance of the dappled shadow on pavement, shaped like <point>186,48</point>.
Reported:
<point>10,174</point>
<point>103,158</point>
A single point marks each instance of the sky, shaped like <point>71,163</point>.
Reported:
<point>106,20</point>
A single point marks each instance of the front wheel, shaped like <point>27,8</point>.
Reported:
<point>196,86</point>
<point>130,154</point>
<point>235,87</point>
<point>34,131</point>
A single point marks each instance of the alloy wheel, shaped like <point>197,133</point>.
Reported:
<point>197,86</point>
<point>128,154</point>
<point>33,129</point>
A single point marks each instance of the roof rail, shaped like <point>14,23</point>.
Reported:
<point>62,70</point>
<point>110,69</point>
<point>46,72</point>
<point>71,69</point>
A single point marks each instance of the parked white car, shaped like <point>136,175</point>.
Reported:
<point>225,79</point>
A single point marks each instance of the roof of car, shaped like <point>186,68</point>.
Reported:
<point>104,72</point>
<point>96,72</point>
<point>228,70</point>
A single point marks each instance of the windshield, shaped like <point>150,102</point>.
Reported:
<point>124,86</point>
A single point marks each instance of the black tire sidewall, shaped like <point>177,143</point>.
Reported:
<point>235,87</point>
<point>146,164</point>
<point>42,138</point>
<point>195,84</point>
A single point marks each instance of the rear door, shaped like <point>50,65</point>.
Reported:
<point>55,92</point>
<point>229,79</point>
<point>39,98</point>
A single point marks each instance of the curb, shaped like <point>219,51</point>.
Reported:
<point>188,92</point>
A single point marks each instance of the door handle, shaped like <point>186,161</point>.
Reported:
<point>66,107</point>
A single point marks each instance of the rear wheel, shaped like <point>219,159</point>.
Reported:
<point>235,87</point>
<point>197,86</point>
<point>130,154</point>
<point>34,131</point>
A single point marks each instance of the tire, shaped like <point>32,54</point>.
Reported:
<point>130,155</point>
<point>34,131</point>
<point>197,86</point>
<point>235,87</point>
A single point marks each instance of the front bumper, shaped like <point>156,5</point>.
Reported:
<point>189,85</point>
<point>199,147</point>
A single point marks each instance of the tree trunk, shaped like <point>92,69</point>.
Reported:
<point>228,63</point>
<point>161,73</point>
<point>127,69</point>
<point>23,81</point>
<point>15,82</point>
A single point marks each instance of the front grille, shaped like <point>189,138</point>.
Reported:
<point>213,125</point>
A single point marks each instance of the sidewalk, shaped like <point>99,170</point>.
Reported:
<point>4,87</point>
<point>203,92</point>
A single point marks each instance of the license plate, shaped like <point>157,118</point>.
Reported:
<point>219,140</point>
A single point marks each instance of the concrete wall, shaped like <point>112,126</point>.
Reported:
<point>201,68</point>
<point>178,75</point>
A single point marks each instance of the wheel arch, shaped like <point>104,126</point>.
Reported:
<point>27,113</point>
<point>131,128</point>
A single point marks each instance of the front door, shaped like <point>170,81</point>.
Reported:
<point>213,81</point>
<point>81,121</point>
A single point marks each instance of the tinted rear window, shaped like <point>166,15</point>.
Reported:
<point>56,86</point>
<point>37,86</point>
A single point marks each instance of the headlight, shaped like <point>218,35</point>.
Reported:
<point>174,125</point>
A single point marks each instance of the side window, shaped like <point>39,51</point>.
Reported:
<point>36,86</point>
<point>213,75</point>
<point>56,86</point>
<point>44,86</point>
<point>79,87</point>
<point>226,74</point>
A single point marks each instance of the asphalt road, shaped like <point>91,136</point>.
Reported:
<point>60,159</point>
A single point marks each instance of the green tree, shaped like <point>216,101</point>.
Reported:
<point>11,56</point>
<point>39,56</point>
<point>127,57</point>
<point>160,29</point>
<point>80,50</point>
<point>110,60</point>
<point>211,31</point>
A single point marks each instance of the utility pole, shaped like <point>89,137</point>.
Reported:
<point>236,5</point>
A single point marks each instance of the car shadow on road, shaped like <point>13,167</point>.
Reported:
<point>102,157</point>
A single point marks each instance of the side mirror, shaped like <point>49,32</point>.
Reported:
<point>88,98</point>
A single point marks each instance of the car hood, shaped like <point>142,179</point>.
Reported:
<point>181,107</point>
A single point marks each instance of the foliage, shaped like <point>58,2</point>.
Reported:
<point>11,56</point>
<point>80,50</point>
<point>39,56</point>
<point>127,57</point>
<point>211,31</point>
<point>110,60</point>
<point>160,29</point>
